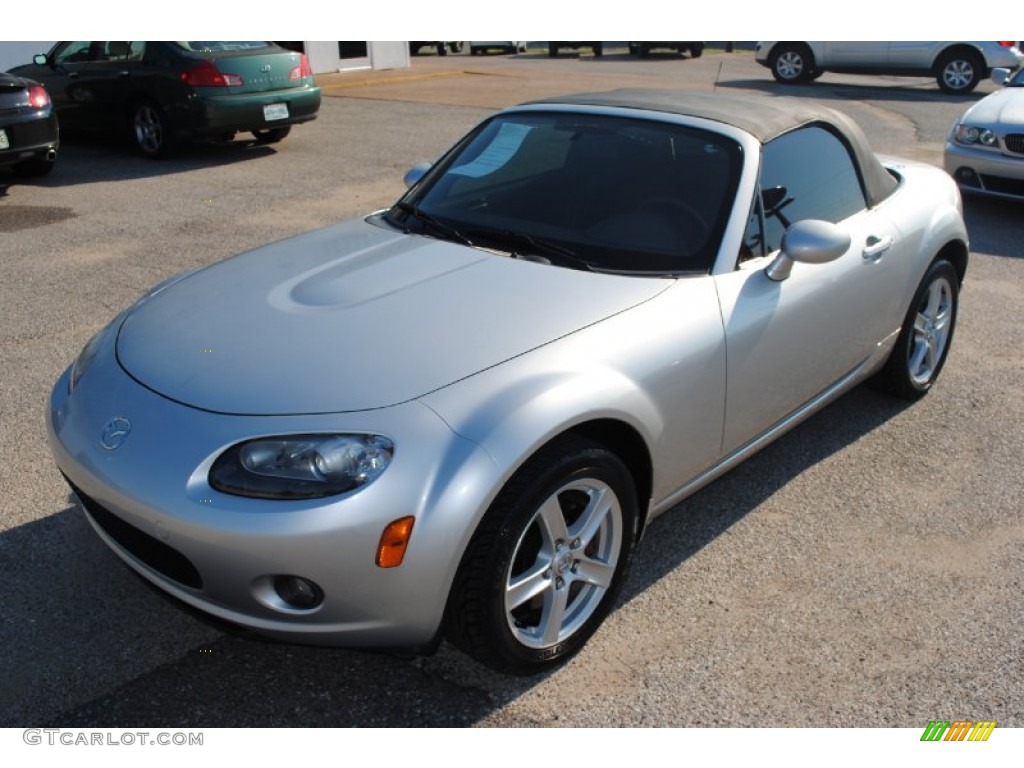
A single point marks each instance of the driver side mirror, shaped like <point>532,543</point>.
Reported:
<point>42,60</point>
<point>810,241</point>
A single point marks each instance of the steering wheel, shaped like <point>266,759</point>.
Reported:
<point>684,217</point>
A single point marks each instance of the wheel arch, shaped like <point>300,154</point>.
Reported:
<point>963,49</point>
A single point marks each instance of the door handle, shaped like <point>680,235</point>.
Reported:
<point>876,247</point>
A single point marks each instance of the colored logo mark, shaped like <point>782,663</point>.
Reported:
<point>958,730</point>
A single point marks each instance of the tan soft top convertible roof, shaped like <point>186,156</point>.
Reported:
<point>761,116</point>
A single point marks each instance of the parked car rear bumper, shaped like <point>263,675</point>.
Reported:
<point>217,113</point>
<point>29,137</point>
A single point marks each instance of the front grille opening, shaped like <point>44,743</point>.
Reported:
<point>1004,185</point>
<point>162,558</point>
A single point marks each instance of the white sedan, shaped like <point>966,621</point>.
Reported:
<point>985,147</point>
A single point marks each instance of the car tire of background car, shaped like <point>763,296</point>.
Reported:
<point>552,50</point>
<point>271,135</point>
<point>599,49</point>
<point>792,63</point>
<point>959,71</point>
<point>37,166</point>
<point>455,47</point>
<point>150,129</point>
<point>545,564</point>
<point>697,50</point>
<point>442,49</point>
<point>921,348</point>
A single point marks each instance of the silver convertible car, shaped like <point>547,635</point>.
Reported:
<point>456,417</point>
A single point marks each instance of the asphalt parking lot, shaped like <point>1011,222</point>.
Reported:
<point>865,570</point>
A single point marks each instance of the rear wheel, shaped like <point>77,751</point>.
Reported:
<point>547,561</point>
<point>271,135</point>
<point>151,130</point>
<point>697,50</point>
<point>791,63</point>
<point>959,71</point>
<point>926,335</point>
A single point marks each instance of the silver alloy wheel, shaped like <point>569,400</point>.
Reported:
<point>958,74</point>
<point>563,563</point>
<point>789,65</point>
<point>932,327</point>
<point>149,129</point>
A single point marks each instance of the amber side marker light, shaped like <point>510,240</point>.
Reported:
<point>393,542</point>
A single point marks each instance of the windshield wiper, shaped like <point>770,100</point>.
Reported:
<point>538,247</point>
<point>435,225</point>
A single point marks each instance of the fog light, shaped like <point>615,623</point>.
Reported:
<point>967,177</point>
<point>298,592</point>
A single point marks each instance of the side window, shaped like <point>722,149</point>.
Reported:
<point>807,174</point>
<point>123,51</point>
<point>78,52</point>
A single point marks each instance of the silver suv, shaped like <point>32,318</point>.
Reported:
<point>956,66</point>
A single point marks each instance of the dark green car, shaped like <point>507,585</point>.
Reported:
<point>164,93</point>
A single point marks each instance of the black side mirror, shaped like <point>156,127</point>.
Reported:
<point>42,60</point>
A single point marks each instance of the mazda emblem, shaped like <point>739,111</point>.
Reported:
<point>114,432</point>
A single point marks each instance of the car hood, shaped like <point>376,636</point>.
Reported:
<point>354,317</point>
<point>1004,107</point>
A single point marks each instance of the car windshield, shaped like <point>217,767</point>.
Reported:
<point>588,191</point>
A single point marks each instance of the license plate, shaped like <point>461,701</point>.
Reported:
<point>275,111</point>
<point>5,143</point>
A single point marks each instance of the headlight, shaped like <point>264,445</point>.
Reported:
<point>969,134</point>
<point>84,360</point>
<point>301,466</point>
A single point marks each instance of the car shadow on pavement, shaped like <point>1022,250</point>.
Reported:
<point>88,160</point>
<point>85,640</point>
<point>923,89</point>
<point>993,226</point>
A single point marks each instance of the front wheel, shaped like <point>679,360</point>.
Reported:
<point>926,335</point>
<point>547,561</point>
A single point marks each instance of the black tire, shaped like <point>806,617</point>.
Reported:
<point>564,528</point>
<point>271,135</point>
<point>791,63</point>
<point>455,47</point>
<point>643,50</point>
<point>151,130</point>
<point>959,71</point>
<point>697,50</point>
<point>633,49</point>
<point>552,50</point>
<point>442,49</point>
<point>598,49</point>
<point>34,168</point>
<point>926,336</point>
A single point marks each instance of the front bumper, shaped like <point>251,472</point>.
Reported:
<point>985,172</point>
<point>149,500</point>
